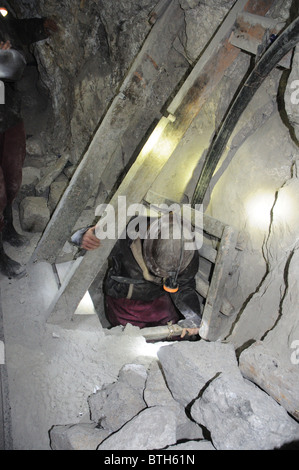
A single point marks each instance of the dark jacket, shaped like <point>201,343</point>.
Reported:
<point>124,270</point>
<point>20,33</point>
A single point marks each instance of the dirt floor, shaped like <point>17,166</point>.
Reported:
<point>51,370</point>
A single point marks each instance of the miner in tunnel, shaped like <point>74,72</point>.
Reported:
<point>15,34</point>
<point>151,279</point>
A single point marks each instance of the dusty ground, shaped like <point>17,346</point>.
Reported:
<point>52,370</point>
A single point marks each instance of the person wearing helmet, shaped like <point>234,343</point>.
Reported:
<point>14,35</point>
<point>151,279</point>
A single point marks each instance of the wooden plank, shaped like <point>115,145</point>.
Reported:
<point>88,173</point>
<point>158,10</point>
<point>220,39</point>
<point>202,288</point>
<point>212,226</point>
<point>132,112</point>
<point>251,31</point>
<point>208,252</point>
<point>215,295</point>
<point>205,58</point>
<point>204,81</point>
<point>136,183</point>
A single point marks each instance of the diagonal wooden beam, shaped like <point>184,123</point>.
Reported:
<point>201,83</point>
<point>148,84</point>
<point>252,34</point>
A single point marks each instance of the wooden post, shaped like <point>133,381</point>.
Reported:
<point>215,293</point>
<point>201,83</point>
<point>134,187</point>
<point>131,114</point>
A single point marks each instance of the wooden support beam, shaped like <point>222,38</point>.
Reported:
<point>202,288</point>
<point>131,114</point>
<point>285,42</point>
<point>214,297</point>
<point>252,33</point>
<point>200,85</point>
<point>134,187</point>
<point>195,81</point>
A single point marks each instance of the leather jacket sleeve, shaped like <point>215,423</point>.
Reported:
<point>187,300</point>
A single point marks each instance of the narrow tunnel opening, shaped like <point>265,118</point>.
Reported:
<point>94,94</point>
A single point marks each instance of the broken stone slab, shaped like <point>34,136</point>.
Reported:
<point>82,436</point>
<point>117,403</point>
<point>51,174</point>
<point>157,393</point>
<point>240,416</point>
<point>153,428</point>
<point>34,214</point>
<point>189,366</point>
<point>270,372</point>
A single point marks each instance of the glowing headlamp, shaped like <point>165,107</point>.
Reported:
<point>3,11</point>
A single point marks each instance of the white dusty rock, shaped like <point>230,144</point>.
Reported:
<point>119,402</point>
<point>157,393</point>
<point>240,416</point>
<point>34,214</point>
<point>154,428</point>
<point>269,371</point>
<point>189,366</point>
<point>83,436</point>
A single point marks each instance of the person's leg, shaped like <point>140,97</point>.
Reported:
<point>13,156</point>
<point>8,266</point>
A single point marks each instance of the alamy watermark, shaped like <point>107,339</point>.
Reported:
<point>188,222</point>
<point>295,353</point>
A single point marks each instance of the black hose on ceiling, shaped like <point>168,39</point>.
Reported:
<point>286,41</point>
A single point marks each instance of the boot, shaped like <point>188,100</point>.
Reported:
<point>8,266</point>
<point>10,235</point>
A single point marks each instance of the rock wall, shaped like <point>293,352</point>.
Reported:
<point>255,187</point>
<point>83,65</point>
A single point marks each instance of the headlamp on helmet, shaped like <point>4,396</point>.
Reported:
<point>3,11</point>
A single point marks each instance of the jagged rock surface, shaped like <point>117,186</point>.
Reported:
<point>219,401</point>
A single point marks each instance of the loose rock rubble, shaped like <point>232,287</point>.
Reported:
<point>193,398</point>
